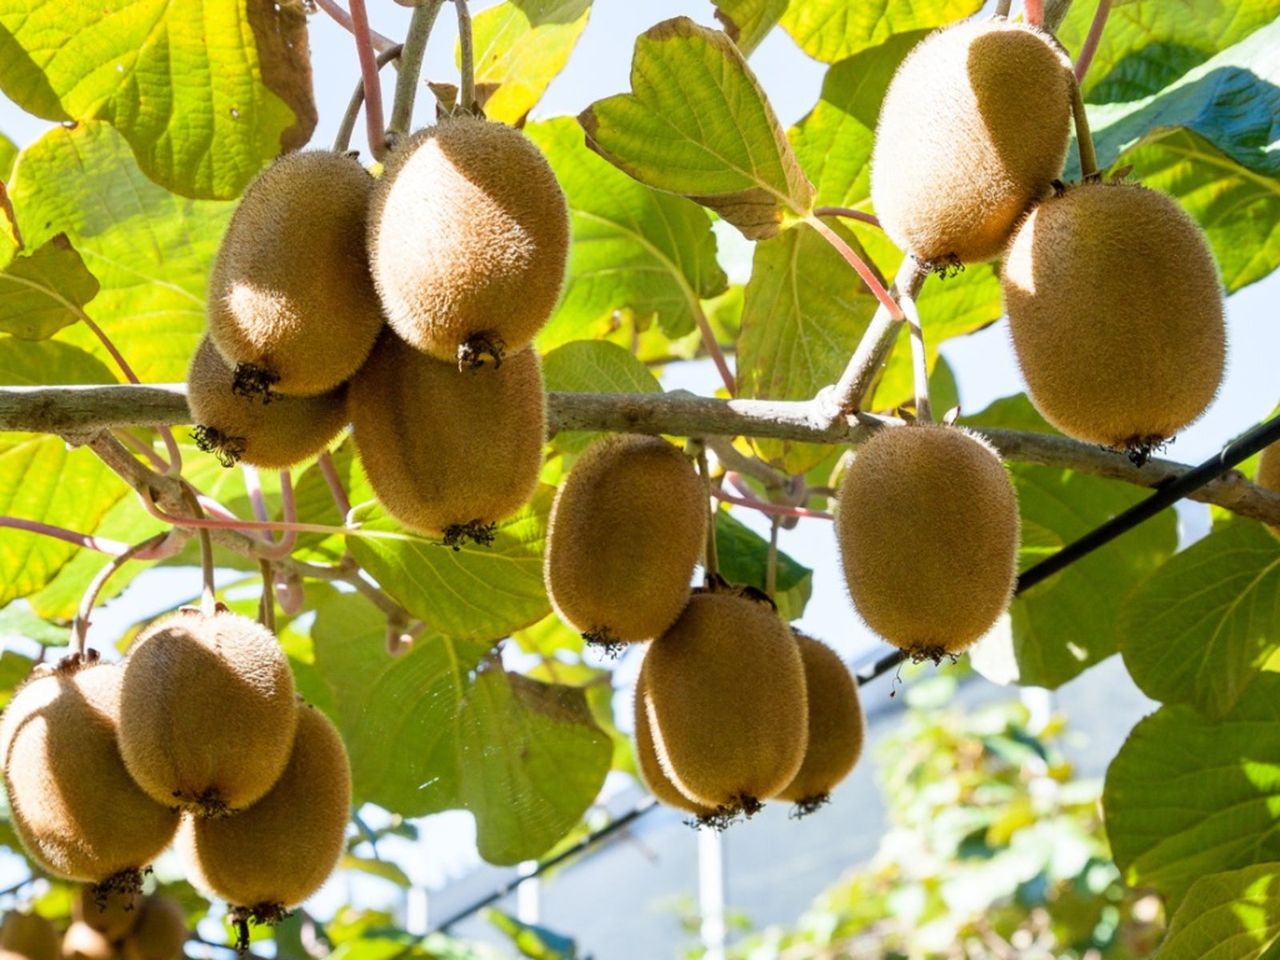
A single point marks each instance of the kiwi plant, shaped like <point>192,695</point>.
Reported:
<point>468,239</point>
<point>973,129</point>
<point>448,452</point>
<point>74,806</point>
<point>207,711</point>
<point>1116,312</point>
<point>1269,473</point>
<point>238,429</point>
<point>291,306</point>
<point>626,530</point>
<point>30,936</point>
<point>927,526</point>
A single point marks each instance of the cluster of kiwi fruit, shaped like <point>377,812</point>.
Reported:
<point>118,926</point>
<point>627,530</point>
<point>404,304</point>
<point>197,737</point>
<point>1113,297</point>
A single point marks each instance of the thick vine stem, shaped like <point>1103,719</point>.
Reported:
<point>411,53</point>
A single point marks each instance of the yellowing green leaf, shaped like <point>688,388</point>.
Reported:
<point>1233,915</point>
<point>45,290</point>
<point>830,30</point>
<point>748,22</point>
<point>593,366</point>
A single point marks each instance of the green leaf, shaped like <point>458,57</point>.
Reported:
<point>1189,796</point>
<point>1233,915</point>
<point>8,155</point>
<point>473,593</point>
<point>634,249</point>
<point>1147,46</point>
<point>17,621</point>
<point>444,726</point>
<point>723,148</point>
<point>382,869</point>
<point>1201,629</point>
<point>45,290</point>
<point>830,30</point>
<point>744,559</point>
<point>204,92</point>
<point>1069,622</point>
<point>533,941</point>
<point>593,366</point>
<point>14,668</point>
<point>748,22</point>
<point>520,47</point>
<point>150,250</point>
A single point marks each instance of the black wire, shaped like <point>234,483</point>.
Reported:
<point>1169,493</point>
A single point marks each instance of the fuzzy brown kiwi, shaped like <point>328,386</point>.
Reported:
<point>927,526</point>
<point>160,933</point>
<point>973,129</point>
<point>468,238</point>
<point>291,304</point>
<point>30,936</point>
<point>1268,475</point>
<point>1116,313</point>
<point>278,852</point>
<point>448,452</point>
<point>836,726</point>
<point>626,530</point>
<point>726,702</point>
<point>75,807</point>
<point>237,429</point>
<point>207,711</point>
<point>112,914</point>
<point>83,942</point>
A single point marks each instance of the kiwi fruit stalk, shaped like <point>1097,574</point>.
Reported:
<point>626,530</point>
<point>30,936</point>
<point>836,726</point>
<point>291,304</point>
<point>448,452</point>
<point>238,429</point>
<point>74,806</point>
<point>1269,473</point>
<point>927,526</point>
<point>973,130</point>
<point>651,772</point>
<point>468,239</point>
<point>725,695</point>
<point>278,852</point>
<point>1116,313</point>
<point>207,713</point>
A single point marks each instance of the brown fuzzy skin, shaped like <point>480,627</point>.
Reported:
<point>207,713</point>
<point>1269,473</point>
<point>160,933</point>
<point>726,701</point>
<point>82,942</point>
<point>76,810</point>
<point>650,767</point>
<point>927,526</point>
<point>1116,312</point>
<point>468,234</point>
<point>273,436</point>
<point>443,446</point>
<point>290,289</point>
<point>626,530</point>
<point>30,936</point>
<point>279,851</point>
<point>836,724</point>
<point>113,914</point>
<point>973,129</point>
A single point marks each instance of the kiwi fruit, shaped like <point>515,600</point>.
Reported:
<point>927,525</point>
<point>74,806</point>
<point>160,933</point>
<point>651,773</point>
<point>291,303</point>
<point>448,452</point>
<point>113,914</point>
<point>836,726</point>
<point>468,239</point>
<point>726,703</point>
<point>973,129</point>
<point>236,429</point>
<point>278,852</point>
<point>207,711</point>
<point>1268,476</point>
<point>1116,313</point>
<point>30,936</point>
<point>83,942</point>
<point>626,530</point>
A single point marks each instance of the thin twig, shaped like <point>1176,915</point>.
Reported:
<point>874,283</point>
<point>343,19</point>
<point>208,593</point>
<point>369,76</point>
<point>771,564</point>
<point>342,140</point>
<point>1091,41</point>
<point>1002,8</point>
<point>466,58</point>
<point>1055,11</point>
<point>161,545</point>
<point>713,348</point>
<point>711,561</point>
<point>732,459</point>
<point>771,509</point>
<point>267,603</point>
<point>411,54</point>
<point>1033,10</point>
<point>140,446</point>
<point>112,548</point>
<point>1084,139</point>
<point>919,360</point>
<point>330,473</point>
<point>848,213</point>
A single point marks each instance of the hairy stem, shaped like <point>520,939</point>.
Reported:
<point>1091,41</point>
<point>162,545</point>
<point>1084,139</point>
<point>1055,11</point>
<point>336,490</point>
<point>847,213</point>
<point>411,54</point>
<point>369,77</point>
<point>466,57</point>
<point>874,283</point>
<point>342,141</point>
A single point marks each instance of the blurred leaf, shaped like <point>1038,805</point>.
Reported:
<point>830,30</point>
<point>723,148</point>
<point>14,668</point>
<point>1201,629</point>
<point>444,726</point>
<point>1234,915</point>
<point>744,558</point>
<point>150,250</point>
<point>633,248</point>
<point>383,869</point>
<point>18,621</point>
<point>531,940</point>
<point>1188,796</point>
<point>204,92</point>
<point>8,154</point>
<point>748,22</point>
<point>520,47</point>
<point>593,366</point>
<point>44,290</point>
